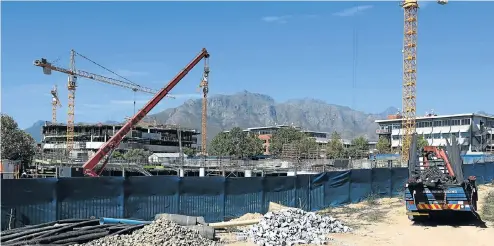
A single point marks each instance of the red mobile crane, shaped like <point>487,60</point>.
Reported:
<point>113,143</point>
<point>440,154</point>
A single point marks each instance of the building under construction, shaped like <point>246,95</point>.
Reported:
<point>88,138</point>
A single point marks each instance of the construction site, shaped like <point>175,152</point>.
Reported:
<point>79,190</point>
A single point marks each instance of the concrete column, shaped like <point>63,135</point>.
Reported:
<point>248,173</point>
<point>201,172</point>
<point>123,171</point>
<point>181,172</point>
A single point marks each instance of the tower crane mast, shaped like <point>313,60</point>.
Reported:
<point>409,106</point>
<point>204,114</point>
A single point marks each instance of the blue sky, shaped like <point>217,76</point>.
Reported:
<point>286,50</point>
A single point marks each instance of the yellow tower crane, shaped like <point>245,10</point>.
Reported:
<point>410,8</point>
<point>55,102</point>
<point>204,115</point>
<point>72,85</point>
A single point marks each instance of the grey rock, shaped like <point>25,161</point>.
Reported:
<point>294,226</point>
<point>160,232</point>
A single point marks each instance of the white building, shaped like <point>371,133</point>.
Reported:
<point>88,138</point>
<point>165,157</point>
<point>474,131</point>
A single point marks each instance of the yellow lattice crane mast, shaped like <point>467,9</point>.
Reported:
<point>55,103</point>
<point>410,8</point>
<point>204,115</point>
<point>72,85</point>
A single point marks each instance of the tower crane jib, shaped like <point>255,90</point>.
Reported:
<point>73,74</point>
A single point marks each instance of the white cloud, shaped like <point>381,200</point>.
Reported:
<point>276,19</point>
<point>353,11</point>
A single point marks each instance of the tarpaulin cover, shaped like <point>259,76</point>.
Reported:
<point>336,188</point>
<point>360,184</point>
<point>244,196</point>
<point>29,201</point>
<point>381,181</point>
<point>90,197</point>
<point>147,196</point>
<point>203,196</point>
<point>34,201</point>
<point>279,190</point>
<point>302,195</point>
<point>398,178</point>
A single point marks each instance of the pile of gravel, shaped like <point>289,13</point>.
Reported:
<point>294,226</point>
<point>160,232</point>
<point>434,175</point>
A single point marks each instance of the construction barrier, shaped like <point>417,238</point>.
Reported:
<point>34,201</point>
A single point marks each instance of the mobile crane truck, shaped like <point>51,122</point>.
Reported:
<point>436,184</point>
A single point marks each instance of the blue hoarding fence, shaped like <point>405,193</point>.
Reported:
<point>34,201</point>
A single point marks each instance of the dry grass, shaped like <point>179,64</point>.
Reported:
<point>370,211</point>
<point>487,211</point>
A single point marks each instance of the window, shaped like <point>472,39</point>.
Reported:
<point>465,122</point>
<point>455,122</point>
<point>396,137</point>
<point>427,136</point>
<point>396,126</point>
<point>456,134</point>
<point>464,134</point>
<point>446,122</point>
<point>438,123</point>
<point>436,135</point>
<point>446,135</point>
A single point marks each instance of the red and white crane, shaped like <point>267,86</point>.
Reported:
<point>108,148</point>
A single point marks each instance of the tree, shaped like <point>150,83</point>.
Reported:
<point>189,151</point>
<point>287,135</point>
<point>117,155</point>
<point>335,148</point>
<point>421,142</point>
<point>219,145</point>
<point>359,148</point>
<point>137,155</point>
<point>308,147</point>
<point>16,145</point>
<point>236,143</point>
<point>383,145</point>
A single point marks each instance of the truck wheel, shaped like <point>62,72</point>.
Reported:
<point>417,218</point>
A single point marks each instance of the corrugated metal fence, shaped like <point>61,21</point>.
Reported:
<point>33,201</point>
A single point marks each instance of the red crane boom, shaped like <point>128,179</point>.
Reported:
<point>113,143</point>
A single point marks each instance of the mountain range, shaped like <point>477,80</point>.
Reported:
<point>246,109</point>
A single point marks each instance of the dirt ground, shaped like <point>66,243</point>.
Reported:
<point>379,222</point>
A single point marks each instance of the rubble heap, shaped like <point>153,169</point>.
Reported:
<point>294,226</point>
<point>160,232</point>
<point>434,175</point>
